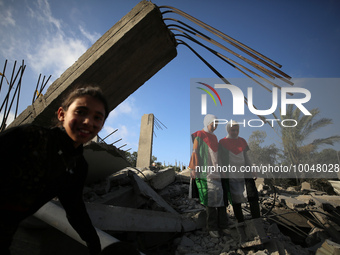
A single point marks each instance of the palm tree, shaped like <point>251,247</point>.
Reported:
<point>295,138</point>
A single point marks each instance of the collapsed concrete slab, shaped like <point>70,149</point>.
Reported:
<point>291,202</point>
<point>157,181</point>
<point>103,160</point>
<point>327,199</point>
<point>163,178</point>
<point>335,185</point>
<point>123,196</point>
<point>328,247</point>
<point>114,218</point>
<point>121,61</point>
<point>328,226</point>
<point>183,176</point>
<point>145,190</point>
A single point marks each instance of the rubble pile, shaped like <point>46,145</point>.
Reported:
<point>296,220</point>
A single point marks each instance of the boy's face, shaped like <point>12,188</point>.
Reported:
<point>83,120</point>
<point>233,132</point>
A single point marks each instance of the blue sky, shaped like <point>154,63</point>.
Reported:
<point>302,36</point>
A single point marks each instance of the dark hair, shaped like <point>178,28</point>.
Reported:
<point>85,90</point>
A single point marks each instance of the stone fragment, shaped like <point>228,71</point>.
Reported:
<point>291,202</point>
<point>163,178</point>
<point>328,247</point>
<point>336,186</point>
<point>187,242</point>
<point>274,229</point>
<point>305,186</point>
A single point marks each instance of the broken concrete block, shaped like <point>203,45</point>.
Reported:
<point>103,161</point>
<point>274,229</point>
<point>290,219</point>
<point>123,196</point>
<point>336,186</point>
<point>261,253</point>
<point>187,242</point>
<point>328,226</point>
<point>144,189</point>
<point>160,179</point>
<point>308,200</point>
<point>327,199</point>
<point>116,218</point>
<point>292,203</point>
<point>315,236</point>
<point>200,219</point>
<point>329,248</point>
<point>146,174</point>
<point>275,247</point>
<point>305,186</point>
<point>255,233</point>
<point>163,178</point>
<point>260,187</point>
<point>259,181</point>
<point>183,176</point>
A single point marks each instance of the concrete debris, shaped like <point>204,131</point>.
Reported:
<point>103,160</point>
<point>151,209</point>
<point>145,190</point>
<point>183,176</point>
<point>336,186</point>
<point>131,206</point>
<point>291,202</point>
<point>114,218</point>
<point>305,186</point>
<point>254,233</point>
<point>294,220</point>
<point>160,180</point>
<point>328,247</point>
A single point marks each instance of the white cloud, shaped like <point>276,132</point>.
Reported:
<point>116,131</point>
<point>7,19</point>
<point>123,132</point>
<point>57,54</point>
<point>125,113</point>
<point>91,37</point>
<point>126,107</point>
<point>9,119</point>
<point>47,43</point>
<point>44,15</point>
<point>54,51</point>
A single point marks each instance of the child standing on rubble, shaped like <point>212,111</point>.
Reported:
<point>211,184</point>
<point>40,163</point>
<point>233,152</point>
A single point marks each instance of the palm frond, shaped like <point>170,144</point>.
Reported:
<point>329,140</point>
<point>316,125</point>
